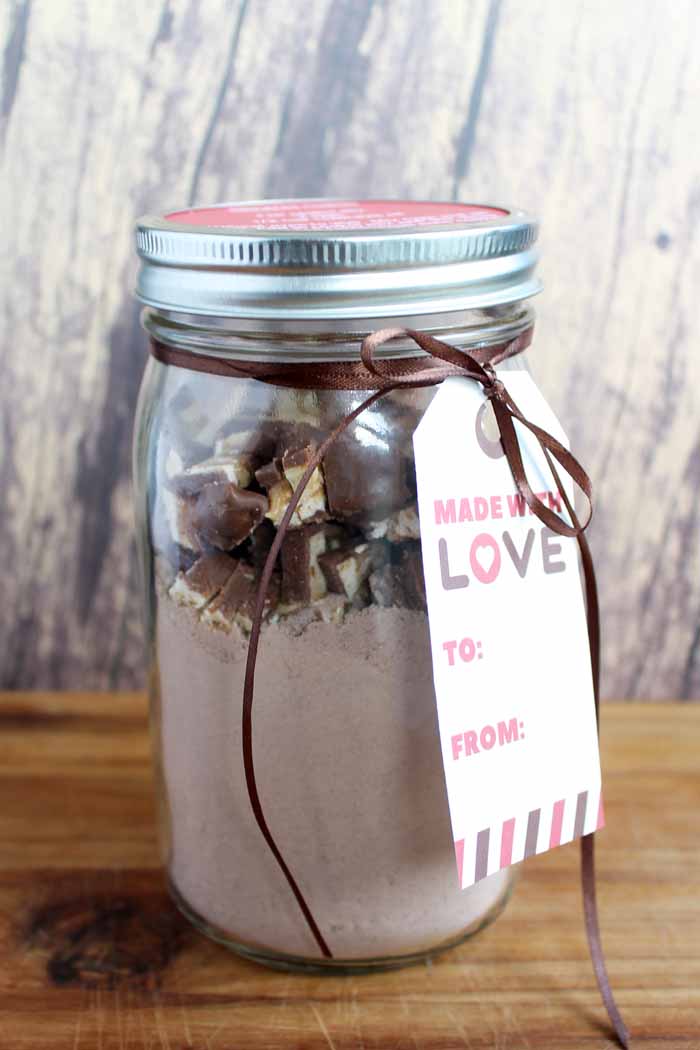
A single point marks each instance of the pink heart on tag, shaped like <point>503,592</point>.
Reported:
<point>485,558</point>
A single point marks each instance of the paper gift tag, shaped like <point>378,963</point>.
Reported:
<point>511,659</point>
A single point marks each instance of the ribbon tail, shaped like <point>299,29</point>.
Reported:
<point>588,880</point>
<point>590,912</point>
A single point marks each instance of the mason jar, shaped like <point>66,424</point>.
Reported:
<point>239,299</point>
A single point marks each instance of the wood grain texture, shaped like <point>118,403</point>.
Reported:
<point>585,113</point>
<point>93,954</point>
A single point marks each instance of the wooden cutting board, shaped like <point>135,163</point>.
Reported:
<point>93,955</point>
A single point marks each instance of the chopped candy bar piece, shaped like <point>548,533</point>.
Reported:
<point>225,515</point>
<point>258,544</point>
<point>365,472</point>
<point>203,581</point>
<point>400,526</point>
<point>269,475</point>
<point>312,505</point>
<point>253,442</point>
<point>302,579</point>
<point>264,437</point>
<point>280,477</point>
<point>279,492</point>
<point>401,583</point>
<point>279,496</point>
<point>362,597</point>
<point>169,562</point>
<point>346,570</point>
<point>178,512</point>
<point>220,470</point>
<point>190,422</point>
<point>235,605</point>
<point>239,593</point>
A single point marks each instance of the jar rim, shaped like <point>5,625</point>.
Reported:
<point>306,341</point>
<point>454,256</point>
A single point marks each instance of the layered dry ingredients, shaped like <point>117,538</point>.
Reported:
<point>353,539</point>
<point>345,736</point>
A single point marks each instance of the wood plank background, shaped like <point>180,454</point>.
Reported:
<point>586,113</point>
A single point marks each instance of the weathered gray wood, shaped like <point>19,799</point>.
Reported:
<point>586,113</point>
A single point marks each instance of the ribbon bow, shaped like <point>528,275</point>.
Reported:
<point>458,362</point>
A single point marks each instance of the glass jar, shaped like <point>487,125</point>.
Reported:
<point>347,754</point>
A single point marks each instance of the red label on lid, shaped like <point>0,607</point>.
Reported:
<point>321,216</point>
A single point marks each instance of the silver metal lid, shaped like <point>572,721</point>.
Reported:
<point>324,259</point>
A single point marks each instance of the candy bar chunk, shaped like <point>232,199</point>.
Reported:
<point>264,437</point>
<point>221,612</point>
<point>225,515</point>
<point>312,505</point>
<point>246,610</point>
<point>238,594</point>
<point>219,470</point>
<point>235,605</point>
<point>279,492</point>
<point>363,597</point>
<point>346,570</point>
<point>178,512</point>
<point>398,527</point>
<point>167,563</point>
<point>257,546</point>
<point>270,475</point>
<point>400,583</point>
<point>254,442</point>
<point>279,482</point>
<point>302,578</point>
<point>259,441</point>
<point>203,581</point>
<point>366,474</point>
<point>191,425</point>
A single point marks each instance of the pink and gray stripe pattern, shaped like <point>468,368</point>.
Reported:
<point>528,833</point>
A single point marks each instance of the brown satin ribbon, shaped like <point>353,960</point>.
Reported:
<point>381,376</point>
